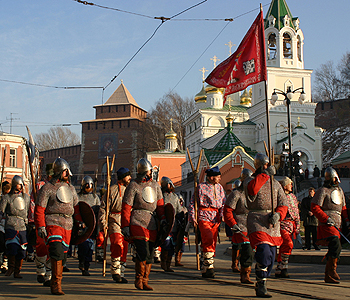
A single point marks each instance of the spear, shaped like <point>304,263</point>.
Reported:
<point>30,146</point>
<point>195,175</point>
<point>108,192</point>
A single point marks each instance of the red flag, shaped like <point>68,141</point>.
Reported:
<point>246,66</point>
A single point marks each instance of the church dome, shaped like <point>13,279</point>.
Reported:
<point>201,96</point>
<point>170,135</point>
<point>246,98</point>
<point>212,89</point>
<point>229,118</point>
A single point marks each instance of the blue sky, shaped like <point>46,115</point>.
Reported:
<point>65,43</point>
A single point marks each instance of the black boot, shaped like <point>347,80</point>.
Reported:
<point>261,289</point>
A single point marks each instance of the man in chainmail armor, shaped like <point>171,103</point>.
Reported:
<point>16,205</point>
<point>235,216</point>
<point>328,205</point>
<point>290,227</point>
<point>264,224</point>
<point>55,209</point>
<point>168,247</point>
<point>85,249</point>
<point>142,202</point>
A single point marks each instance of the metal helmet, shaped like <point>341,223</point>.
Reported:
<point>245,174</point>
<point>237,183</point>
<point>260,160</point>
<point>143,166</point>
<point>17,180</point>
<point>330,173</point>
<point>87,180</point>
<point>165,181</point>
<point>60,165</point>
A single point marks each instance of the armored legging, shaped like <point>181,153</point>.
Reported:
<point>265,258</point>
<point>287,245</point>
<point>246,254</point>
<point>209,234</point>
<point>334,247</point>
<point>144,250</point>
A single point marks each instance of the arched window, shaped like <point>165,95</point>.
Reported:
<point>287,46</point>
<point>271,47</point>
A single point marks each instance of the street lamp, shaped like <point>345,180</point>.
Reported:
<point>287,97</point>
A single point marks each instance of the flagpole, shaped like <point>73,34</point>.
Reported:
<point>269,154</point>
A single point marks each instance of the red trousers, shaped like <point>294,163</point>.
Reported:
<point>119,247</point>
<point>209,235</point>
<point>287,244</point>
<point>40,246</point>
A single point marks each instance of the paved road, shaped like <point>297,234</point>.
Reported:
<point>186,283</point>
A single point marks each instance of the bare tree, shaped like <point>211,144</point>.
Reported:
<point>57,137</point>
<point>171,106</point>
<point>328,85</point>
<point>344,68</point>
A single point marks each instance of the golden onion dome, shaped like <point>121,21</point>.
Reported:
<point>246,99</point>
<point>171,133</point>
<point>229,118</point>
<point>201,96</point>
<point>213,89</point>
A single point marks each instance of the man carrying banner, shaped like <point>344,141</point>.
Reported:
<point>56,206</point>
<point>328,205</point>
<point>16,205</point>
<point>235,216</point>
<point>142,201</point>
<point>119,246</point>
<point>264,223</point>
<point>85,249</point>
<point>211,201</point>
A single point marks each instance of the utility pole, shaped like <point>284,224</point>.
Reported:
<point>11,119</point>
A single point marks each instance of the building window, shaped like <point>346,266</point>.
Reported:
<point>287,46</point>
<point>124,107</point>
<point>112,125</point>
<point>101,109</point>
<point>13,162</point>
<point>116,109</point>
<point>96,125</point>
<point>88,124</point>
<point>109,109</point>
<point>128,123</point>
<point>272,48</point>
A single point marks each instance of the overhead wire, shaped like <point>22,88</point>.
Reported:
<point>54,86</point>
<point>163,20</point>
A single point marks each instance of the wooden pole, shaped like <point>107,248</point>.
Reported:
<point>195,177</point>
<point>269,153</point>
<point>108,192</point>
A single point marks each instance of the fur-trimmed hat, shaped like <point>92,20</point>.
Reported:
<point>213,171</point>
<point>285,181</point>
<point>123,172</point>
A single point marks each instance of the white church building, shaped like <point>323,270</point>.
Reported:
<point>285,69</point>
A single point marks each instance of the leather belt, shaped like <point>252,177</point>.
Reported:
<point>261,210</point>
